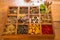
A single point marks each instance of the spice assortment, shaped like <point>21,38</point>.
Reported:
<point>23,10</point>
<point>34,29</point>
<point>10,29</point>
<point>30,16</point>
<point>34,19</point>
<point>13,10</point>
<point>29,21</point>
<point>22,29</point>
<point>34,10</point>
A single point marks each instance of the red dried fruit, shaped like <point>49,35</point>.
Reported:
<point>47,29</point>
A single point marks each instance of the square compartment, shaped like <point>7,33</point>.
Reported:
<point>34,19</point>
<point>23,19</point>
<point>34,29</point>
<point>47,29</point>
<point>9,29</point>
<point>23,10</point>
<point>11,19</point>
<point>13,10</point>
<point>22,29</point>
<point>34,10</point>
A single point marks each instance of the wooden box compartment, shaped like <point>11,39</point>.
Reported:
<point>23,10</point>
<point>34,10</point>
<point>23,19</point>
<point>13,10</point>
<point>9,29</point>
<point>22,29</point>
<point>34,29</point>
<point>11,19</point>
<point>46,18</point>
<point>34,19</point>
<point>47,29</point>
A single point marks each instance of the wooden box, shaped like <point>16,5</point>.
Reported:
<point>27,23</point>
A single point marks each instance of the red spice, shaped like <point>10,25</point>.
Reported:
<point>47,29</point>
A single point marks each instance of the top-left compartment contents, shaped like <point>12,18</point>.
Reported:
<point>13,10</point>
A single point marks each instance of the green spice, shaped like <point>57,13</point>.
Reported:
<point>42,8</point>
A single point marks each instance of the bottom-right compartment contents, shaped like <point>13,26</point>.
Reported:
<point>47,29</point>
